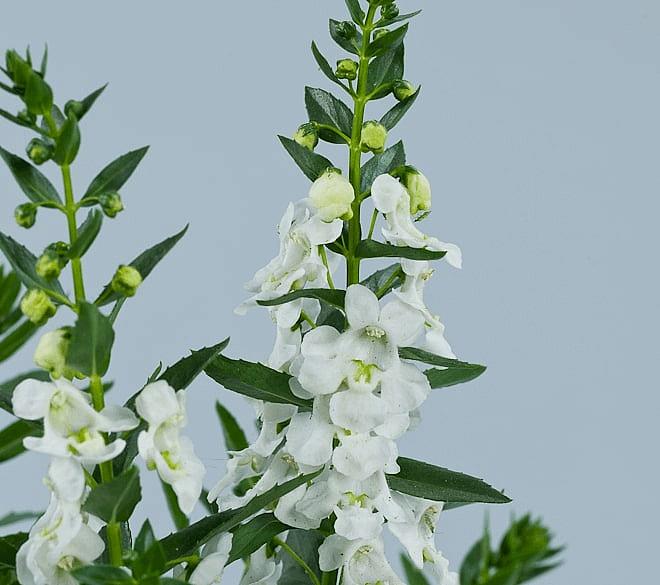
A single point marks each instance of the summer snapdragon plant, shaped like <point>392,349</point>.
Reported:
<point>310,499</point>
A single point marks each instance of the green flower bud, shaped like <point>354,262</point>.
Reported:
<point>17,68</point>
<point>307,135</point>
<point>347,30</point>
<point>111,204</point>
<point>347,69</point>
<point>419,188</point>
<point>389,11</point>
<point>37,306</point>
<point>126,281</point>
<point>74,108</point>
<point>39,151</point>
<point>25,215</point>
<point>49,265</point>
<point>403,89</point>
<point>374,137</point>
<point>332,195</point>
<point>51,353</point>
<point>380,32</point>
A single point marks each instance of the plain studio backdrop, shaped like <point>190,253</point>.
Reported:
<point>538,126</point>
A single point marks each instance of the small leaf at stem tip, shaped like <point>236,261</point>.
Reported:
<point>113,177</point>
<point>388,41</point>
<point>356,12</point>
<point>385,70</point>
<point>325,67</point>
<point>400,18</point>
<point>333,297</point>
<point>68,142</point>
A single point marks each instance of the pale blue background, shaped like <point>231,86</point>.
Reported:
<point>538,125</point>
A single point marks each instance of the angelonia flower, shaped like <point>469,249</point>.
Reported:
<point>332,195</point>
<point>307,135</point>
<point>403,90</point>
<point>364,397</point>
<point>164,448</point>
<point>215,554</point>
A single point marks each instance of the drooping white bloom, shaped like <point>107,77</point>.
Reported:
<point>262,570</point>
<point>392,199</point>
<point>332,195</point>
<point>241,465</point>
<point>164,448</point>
<point>61,539</point>
<point>214,558</point>
<point>72,428</point>
<point>439,568</point>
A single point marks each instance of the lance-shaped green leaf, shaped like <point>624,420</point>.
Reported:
<point>91,342</point>
<point>453,372</point>
<point>151,558</point>
<point>254,380</point>
<point>387,42</point>
<point>31,181</point>
<point>384,281</point>
<point>68,142</point>
<point>10,286</point>
<point>394,116</point>
<point>113,177</point>
<point>331,296</point>
<point>385,70</point>
<point>9,546</point>
<point>87,233</point>
<point>144,264</point>
<point>413,575</point>
<point>88,101</point>
<point>374,249</point>
<point>382,163</point>
<point>115,501</point>
<point>16,338</point>
<point>356,12</point>
<point>325,67</point>
<point>178,517</point>
<point>311,164</point>
<point>16,517</point>
<point>424,480</point>
<point>401,18</point>
<point>477,560</point>
<point>337,33</point>
<point>324,108</point>
<point>11,439</point>
<point>306,543</point>
<point>103,575</point>
<point>251,536</point>
<point>7,388</point>
<point>235,439</point>
<point>23,262</point>
<point>189,539</point>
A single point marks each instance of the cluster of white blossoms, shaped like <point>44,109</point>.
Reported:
<point>74,436</point>
<point>363,395</point>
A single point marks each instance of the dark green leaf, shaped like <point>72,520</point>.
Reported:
<point>508,576</point>
<point>385,70</point>
<point>348,45</point>
<point>68,142</point>
<point>331,296</point>
<point>11,441</point>
<point>393,157</point>
<point>151,559</point>
<point>8,116</point>
<point>88,101</point>
<point>324,108</point>
<point>8,321</point>
<point>113,176</point>
<point>10,286</point>
<point>87,233</point>
<point>332,317</point>
<point>9,546</point>
<point>145,538</point>
<point>34,184</point>
<point>400,18</point>
<point>387,42</point>
<point>38,95</point>
<point>184,372</point>
<point>306,543</point>
<point>15,517</point>
<point>325,67</point>
<point>7,388</point>
<point>374,249</point>
<point>455,372</point>
<point>144,264</point>
<point>476,560</point>
<point>91,342</point>
<point>102,575</point>
<point>424,480</point>
<point>385,280</point>
<point>413,575</point>
<point>394,116</point>
<point>251,536</point>
<point>115,501</point>
<point>254,380</point>
<point>23,262</point>
<point>356,12</point>
<point>235,439</point>
<point>16,339</point>
<point>178,517</point>
<point>311,164</point>
<point>189,539</point>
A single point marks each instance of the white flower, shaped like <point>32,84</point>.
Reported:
<point>359,456</point>
<point>363,561</point>
<point>72,428</point>
<point>261,570</point>
<point>271,435</point>
<point>214,558</point>
<point>332,195</point>
<point>241,465</point>
<point>61,539</point>
<point>439,568</point>
<point>392,199</point>
<point>162,445</point>
<point>310,435</point>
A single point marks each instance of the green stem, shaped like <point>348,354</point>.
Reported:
<point>299,560</point>
<point>355,161</point>
<point>329,578</point>
<point>372,227</point>
<point>70,206</point>
<point>324,258</point>
<point>113,532</point>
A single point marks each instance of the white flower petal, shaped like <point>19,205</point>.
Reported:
<point>402,322</point>
<point>386,193</point>
<point>358,412</point>
<point>157,402</point>
<point>31,399</point>
<point>362,308</point>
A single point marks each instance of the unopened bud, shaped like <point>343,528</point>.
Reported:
<point>374,137</point>
<point>307,135</point>
<point>380,33</point>
<point>403,89</point>
<point>347,69</point>
<point>39,151</point>
<point>74,108</point>
<point>37,306</point>
<point>419,189</point>
<point>111,204</point>
<point>53,260</point>
<point>25,215</point>
<point>332,195</point>
<point>126,281</point>
<point>51,353</point>
<point>389,10</point>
